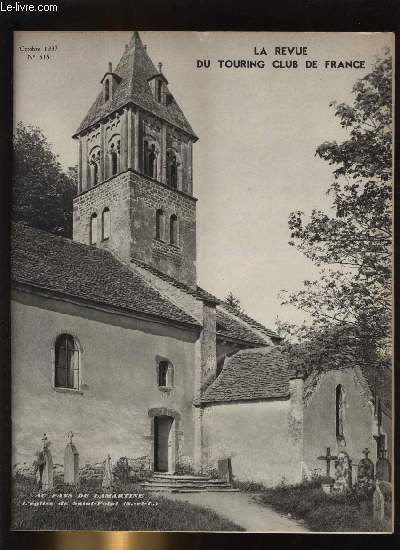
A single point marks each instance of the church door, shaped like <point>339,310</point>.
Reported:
<point>163,444</point>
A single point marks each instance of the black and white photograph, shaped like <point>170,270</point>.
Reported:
<point>201,267</point>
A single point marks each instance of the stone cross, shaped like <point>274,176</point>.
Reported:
<point>107,476</point>
<point>47,472</point>
<point>71,462</point>
<point>328,457</point>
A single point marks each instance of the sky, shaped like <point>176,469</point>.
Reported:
<point>258,130</point>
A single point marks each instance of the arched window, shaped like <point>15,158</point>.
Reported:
<point>106,224</point>
<point>339,411</point>
<point>165,374</point>
<point>172,170</point>
<point>114,160</point>
<point>106,90</point>
<point>160,225</point>
<point>93,229</point>
<point>66,367</point>
<point>173,230</point>
<point>150,160</point>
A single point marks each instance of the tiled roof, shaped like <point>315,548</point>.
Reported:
<point>197,292</point>
<point>64,266</point>
<point>252,374</point>
<point>252,322</point>
<point>229,325</point>
<point>134,69</point>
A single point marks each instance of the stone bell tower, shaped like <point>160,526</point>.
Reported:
<point>135,194</point>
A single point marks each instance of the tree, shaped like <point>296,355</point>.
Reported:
<point>350,303</point>
<point>42,191</point>
<point>233,302</point>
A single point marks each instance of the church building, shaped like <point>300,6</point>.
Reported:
<point>113,339</point>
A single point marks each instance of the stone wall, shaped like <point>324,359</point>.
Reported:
<point>133,200</point>
<point>257,437</point>
<point>118,382</point>
<point>320,419</point>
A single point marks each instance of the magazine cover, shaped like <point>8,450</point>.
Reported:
<point>201,281</point>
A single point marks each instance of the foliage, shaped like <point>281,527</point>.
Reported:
<point>350,303</point>
<point>321,512</point>
<point>42,191</point>
<point>234,302</point>
<point>162,515</point>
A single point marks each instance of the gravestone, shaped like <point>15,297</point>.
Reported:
<point>47,470</point>
<point>71,462</point>
<point>107,476</point>
<point>378,503</point>
<point>383,469</point>
<point>225,469</point>
<point>365,475</point>
<point>342,473</point>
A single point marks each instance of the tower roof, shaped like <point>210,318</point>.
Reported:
<point>134,70</point>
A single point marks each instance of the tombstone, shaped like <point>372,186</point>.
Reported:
<point>342,473</point>
<point>378,503</point>
<point>365,475</point>
<point>71,462</point>
<point>225,470</point>
<point>383,469</point>
<point>107,476</point>
<point>47,470</point>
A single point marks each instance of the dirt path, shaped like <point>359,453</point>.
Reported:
<point>242,509</point>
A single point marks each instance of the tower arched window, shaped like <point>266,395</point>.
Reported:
<point>173,230</point>
<point>106,90</point>
<point>95,167</point>
<point>165,374</point>
<point>150,160</point>
<point>339,411</point>
<point>160,225</point>
<point>114,160</point>
<point>66,362</point>
<point>106,224</point>
<point>172,170</point>
<point>93,229</point>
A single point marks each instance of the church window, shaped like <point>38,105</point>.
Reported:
<point>173,230</point>
<point>339,411</point>
<point>106,224</point>
<point>160,225</point>
<point>95,167</point>
<point>106,90</point>
<point>165,374</point>
<point>150,160</point>
<point>172,170</point>
<point>93,229</point>
<point>114,160</point>
<point>66,362</point>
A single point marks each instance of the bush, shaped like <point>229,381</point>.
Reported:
<point>321,512</point>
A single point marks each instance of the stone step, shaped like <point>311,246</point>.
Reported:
<point>184,485</point>
<point>193,490</point>
<point>178,481</point>
<point>177,476</point>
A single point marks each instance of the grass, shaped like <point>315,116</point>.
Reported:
<point>162,515</point>
<point>320,512</point>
